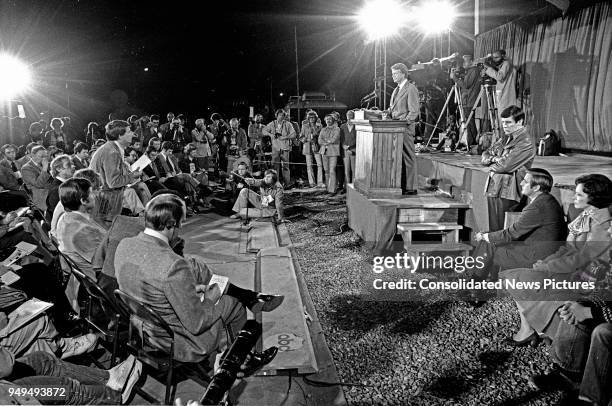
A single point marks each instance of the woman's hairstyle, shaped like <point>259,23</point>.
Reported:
<point>312,114</point>
<point>598,188</point>
<point>164,212</point>
<point>273,173</point>
<point>73,191</point>
<point>116,129</point>
<point>91,175</point>
<point>332,116</point>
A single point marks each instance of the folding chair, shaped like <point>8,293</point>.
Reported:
<point>116,313</point>
<point>143,322</point>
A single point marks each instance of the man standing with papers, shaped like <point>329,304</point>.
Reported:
<point>107,161</point>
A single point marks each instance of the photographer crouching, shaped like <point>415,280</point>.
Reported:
<point>268,203</point>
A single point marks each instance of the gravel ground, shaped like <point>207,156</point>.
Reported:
<point>432,352</point>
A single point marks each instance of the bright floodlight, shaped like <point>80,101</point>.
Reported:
<point>382,18</point>
<point>14,76</point>
<point>435,16</point>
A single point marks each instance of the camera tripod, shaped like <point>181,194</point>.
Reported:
<point>488,91</point>
<point>456,93</point>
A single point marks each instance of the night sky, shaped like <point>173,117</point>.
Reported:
<point>202,56</point>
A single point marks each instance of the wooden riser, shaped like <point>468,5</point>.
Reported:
<point>417,249</point>
<point>418,216</point>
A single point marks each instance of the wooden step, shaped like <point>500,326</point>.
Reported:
<point>403,227</point>
<point>445,247</point>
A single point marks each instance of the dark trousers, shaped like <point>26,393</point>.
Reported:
<point>499,257</point>
<point>12,200</point>
<point>280,160</point>
<point>498,206</point>
<point>472,132</point>
<point>84,385</point>
<point>409,163</point>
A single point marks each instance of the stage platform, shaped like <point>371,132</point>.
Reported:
<point>460,181</point>
<point>228,248</point>
<point>464,178</point>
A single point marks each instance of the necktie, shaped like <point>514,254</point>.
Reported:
<point>170,164</point>
<point>13,166</point>
<point>394,94</point>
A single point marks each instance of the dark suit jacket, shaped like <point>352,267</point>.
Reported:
<point>53,197</point>
<point>78,164</point>
<point>541,225</point>
<point>184,165</point>
<point>7,179</point>
<point>148,269</point>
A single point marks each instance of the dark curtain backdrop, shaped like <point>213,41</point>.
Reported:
<point>565,80</point>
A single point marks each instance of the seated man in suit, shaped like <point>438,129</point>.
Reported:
<point>179,289</point>
<point>168,167</point>
<point>537,233</point>
<point>190,164</point>
<point>80,159</point>
<point>62,170</point>
<point>13,195</point>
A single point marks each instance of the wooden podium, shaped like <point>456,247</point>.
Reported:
<point>378,160</point>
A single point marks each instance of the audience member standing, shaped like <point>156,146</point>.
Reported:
<point>108,162</point>
<point>202,139</point>
<point>349,145</point>
<point>55,137</point>
<point>309,136</point>
<point>255,133</point>
<point>282,133</point>
<point>329,144</point>
<point>508,161</point>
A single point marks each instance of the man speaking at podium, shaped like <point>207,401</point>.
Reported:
<point>405,106</point>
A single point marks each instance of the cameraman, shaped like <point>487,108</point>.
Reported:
<point>282,134</point>
<point>500,69</point>
<point>177,134</point>
<point>468,79</point>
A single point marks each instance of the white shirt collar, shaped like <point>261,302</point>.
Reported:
<point>156,234</point>
<point>120,147</point>
<point>61,179</point>
<point>86,215</point>
<point>402,83</point>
